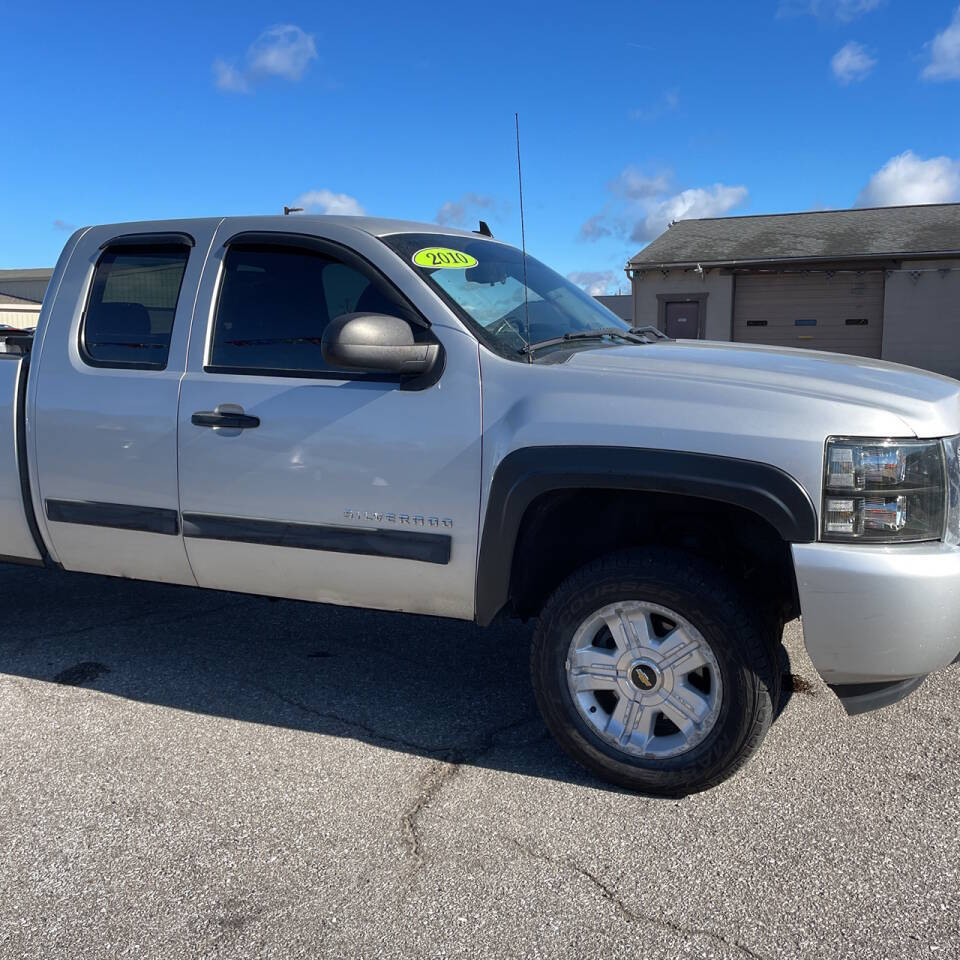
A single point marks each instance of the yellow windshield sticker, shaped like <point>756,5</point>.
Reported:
<point>444,257</point>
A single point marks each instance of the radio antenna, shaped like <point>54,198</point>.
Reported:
<point>523,239</point>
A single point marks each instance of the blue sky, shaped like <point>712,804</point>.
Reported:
<point>631,114</point>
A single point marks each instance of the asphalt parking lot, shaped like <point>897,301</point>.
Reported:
<point>190,774</point>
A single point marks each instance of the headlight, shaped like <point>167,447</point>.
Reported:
<point>883,491</point>
<point>951,451</point>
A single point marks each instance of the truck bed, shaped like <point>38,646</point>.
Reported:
<point>18,543</point>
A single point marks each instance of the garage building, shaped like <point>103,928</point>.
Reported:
<point>619,303</point>
<point>881,282</point>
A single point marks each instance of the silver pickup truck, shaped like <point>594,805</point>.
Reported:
<point>397,416</point>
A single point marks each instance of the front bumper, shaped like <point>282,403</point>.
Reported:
<point>862,697</point>
<point>879,614</point>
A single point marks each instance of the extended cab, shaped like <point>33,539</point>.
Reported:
<point>404,417</point>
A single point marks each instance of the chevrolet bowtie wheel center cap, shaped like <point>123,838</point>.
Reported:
<point>644,677</point>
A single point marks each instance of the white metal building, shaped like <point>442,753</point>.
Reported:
<point>21,294</point>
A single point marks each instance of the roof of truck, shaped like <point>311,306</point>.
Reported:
<point>381,227</point>
<point>376,226</point>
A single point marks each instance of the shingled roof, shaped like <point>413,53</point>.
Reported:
<point>6,299</point>
<point>24,286</point>
<point>870,233</point>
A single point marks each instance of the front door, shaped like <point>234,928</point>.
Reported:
<point>318,484</point>
<point>682,319</point>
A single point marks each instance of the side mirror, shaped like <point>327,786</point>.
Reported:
<point>375,342</point>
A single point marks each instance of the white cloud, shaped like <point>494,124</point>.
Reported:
<point>692,204</point>
<point>455,213</point>
<point>229,78</point>
<point>645,206</point>
<point>283,51</point>
<point>666,104</point>
<point>596,282</point>
<point>595,227</point>
<point>635,185</point>
<point>852,62</point>
<point>842,10</point>
<point>908,179</point>
<point>945,53</point>
<point>326,201</point>
<point>849,9</point>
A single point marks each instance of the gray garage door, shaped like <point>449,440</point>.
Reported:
<point>842,312</point>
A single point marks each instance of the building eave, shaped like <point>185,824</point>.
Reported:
<point>874,258</point>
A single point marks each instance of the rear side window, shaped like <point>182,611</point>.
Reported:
<point>275,303</point>
<point>132,303</point>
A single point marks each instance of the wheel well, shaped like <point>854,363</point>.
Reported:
<point>564,529</point>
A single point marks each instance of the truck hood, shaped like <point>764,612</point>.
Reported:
<point>928,404</point>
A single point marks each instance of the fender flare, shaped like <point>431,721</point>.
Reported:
<point>527,473</point>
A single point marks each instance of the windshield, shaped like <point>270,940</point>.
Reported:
<point>484,282</point>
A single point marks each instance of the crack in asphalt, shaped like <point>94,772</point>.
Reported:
<point>373,735</point>
<point>441,773</point>
<point>448,758</point>
<point>431,783</point>
<point>449,761</point>
<point>454,754</point>
<point>633,916</point>
<point>24,642</point>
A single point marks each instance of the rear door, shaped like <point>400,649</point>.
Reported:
<point>103,402</point>
<point>319,484</point>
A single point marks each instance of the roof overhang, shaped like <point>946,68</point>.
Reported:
<point>875,260</point>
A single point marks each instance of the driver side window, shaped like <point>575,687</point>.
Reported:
<point>275,303</point>
<point>343,287</point>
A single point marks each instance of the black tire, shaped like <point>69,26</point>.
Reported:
<point>743,648</point>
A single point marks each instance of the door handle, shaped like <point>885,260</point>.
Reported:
<point>231,419</point>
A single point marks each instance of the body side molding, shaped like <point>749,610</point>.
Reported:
<point>119,516</point>
<point>395,544</point>
<point>525,474</point>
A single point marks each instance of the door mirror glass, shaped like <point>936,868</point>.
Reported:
<point>377,343</point>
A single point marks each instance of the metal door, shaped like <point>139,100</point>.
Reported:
<point>682,319</point>
<point>103,400</point>
<point>325,486</point>
<point>839,311</point>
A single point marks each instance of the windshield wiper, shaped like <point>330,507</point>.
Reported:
<point>629,335</point>
<point>650,331</point>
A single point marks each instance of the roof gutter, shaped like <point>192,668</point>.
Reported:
<point>874,259</point>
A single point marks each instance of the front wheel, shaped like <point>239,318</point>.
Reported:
<point>652,672</point>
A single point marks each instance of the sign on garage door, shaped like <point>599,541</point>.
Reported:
<point>841,312</point>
